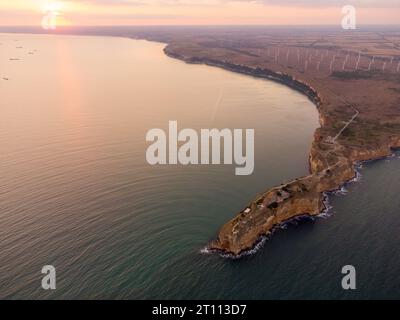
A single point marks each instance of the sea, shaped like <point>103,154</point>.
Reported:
<point>77,193</point>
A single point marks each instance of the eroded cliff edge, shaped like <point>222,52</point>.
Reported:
<point>350,132</point>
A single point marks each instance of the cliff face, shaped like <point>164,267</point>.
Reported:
<point>300,197</point>
<point>285,78</point>
<point>273,208</point>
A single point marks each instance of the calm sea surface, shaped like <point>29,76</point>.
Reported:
<point>77,193</point>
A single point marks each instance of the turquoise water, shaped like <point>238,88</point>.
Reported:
<point>77,193</point>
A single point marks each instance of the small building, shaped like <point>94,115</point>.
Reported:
<point>330,139</point>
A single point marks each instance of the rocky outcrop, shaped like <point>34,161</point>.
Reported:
<point>300,197</point>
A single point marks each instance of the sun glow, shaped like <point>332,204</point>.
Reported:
<point>187,12</point>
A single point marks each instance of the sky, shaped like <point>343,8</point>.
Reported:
<point>196,12</point>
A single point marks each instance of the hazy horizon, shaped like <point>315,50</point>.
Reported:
<point>196,12</point>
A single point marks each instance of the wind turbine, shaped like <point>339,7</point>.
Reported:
<point>358,60</point>
<point>371,63</point>
<point>332,61</point>
<point>279,53</point>
<point>344,63</point>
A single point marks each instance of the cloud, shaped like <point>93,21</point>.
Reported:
<point>291,3</point>
<point>333,3</point>
<point>155,2</point>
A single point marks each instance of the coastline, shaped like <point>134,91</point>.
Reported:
<point>282,78</point>
<point>347,158</point>
<point>228,244</point>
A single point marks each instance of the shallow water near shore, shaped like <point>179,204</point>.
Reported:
<point>77,193</point>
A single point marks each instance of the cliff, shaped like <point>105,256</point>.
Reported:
<point>300,197</point>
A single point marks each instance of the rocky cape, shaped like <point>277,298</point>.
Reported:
<point>332,164</point>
